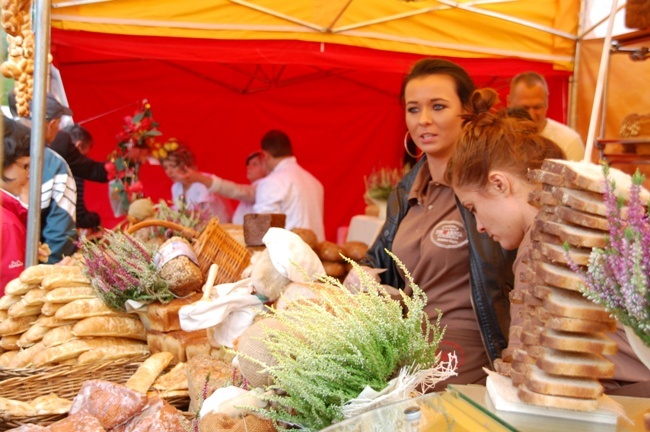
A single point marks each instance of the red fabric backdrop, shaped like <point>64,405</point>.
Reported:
<point>338,104</point>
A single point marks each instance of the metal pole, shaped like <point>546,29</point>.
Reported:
<point>604,62</point>
<point>41,26</point>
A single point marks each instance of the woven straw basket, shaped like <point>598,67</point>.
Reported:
<point>65,382</point>
<point>212,245</point>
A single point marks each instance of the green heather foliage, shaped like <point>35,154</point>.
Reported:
<point>329,351</point>
<point>121,268</point>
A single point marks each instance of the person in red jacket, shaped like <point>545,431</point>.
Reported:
<point>14,176</point>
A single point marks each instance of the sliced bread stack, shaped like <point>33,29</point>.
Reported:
<point>53,316</point>
<point>563,336</point>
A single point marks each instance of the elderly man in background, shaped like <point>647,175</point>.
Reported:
<point>529,91</point>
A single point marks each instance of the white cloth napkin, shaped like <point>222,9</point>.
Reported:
<point>289,254</point>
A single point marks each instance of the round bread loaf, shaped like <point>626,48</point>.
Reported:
<point>181,273</point>
<point>355,250</point>
<point>328,251</point>
<point>307,235</point>
<point>334,269</point>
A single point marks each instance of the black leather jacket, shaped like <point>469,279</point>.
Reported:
<point>491,276</point>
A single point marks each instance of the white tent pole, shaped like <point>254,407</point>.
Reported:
<point>37,143</point>
<point>604,61</point>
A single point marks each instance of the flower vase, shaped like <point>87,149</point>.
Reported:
<point>641,350</point>
<point>381,206</point>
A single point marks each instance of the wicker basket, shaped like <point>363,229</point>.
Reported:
<point>66,381</point>
<point>212,245</point>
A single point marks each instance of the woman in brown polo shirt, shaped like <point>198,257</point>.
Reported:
<point>465,274</point>
<point>488,172</point>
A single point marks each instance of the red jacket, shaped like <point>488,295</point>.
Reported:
<point>13,238</point>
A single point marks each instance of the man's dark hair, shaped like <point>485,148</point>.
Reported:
<point>253,156</point>
<point>79,133</point>
<point>277,144</point>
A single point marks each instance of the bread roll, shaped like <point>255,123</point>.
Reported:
<point>355,250</point>
<point>34,297</point>
<point>307,235</point>
<point>50,321</point>
<point>328,251</point>
<point>33,335</point>
<point>131,328</point>
<point>65,280</point>
<point>49,309</point>
<point>14,408</point>
<point>85,308</point>
<point>10,343</point>
<point>111,404</point>
<point>73,348</point>
<point>25,357</point>
<point>17,287</point>
<point>58,335</point>
<point>13,326</point>
<point>148,371</point>
<point>69,294</point>
<point>21,309</point>
<point>334,268</point>
<point>112,353</point>
<point>8,300</point>
<point>36,274</point>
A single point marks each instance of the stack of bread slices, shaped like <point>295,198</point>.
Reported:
<point>51,315</point>
<point>563,341</point>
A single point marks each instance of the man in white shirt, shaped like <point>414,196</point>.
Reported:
<point>529,91</point>
<point>289,188</point>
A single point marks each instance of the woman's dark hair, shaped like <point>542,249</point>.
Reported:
<point>496,140</point>
<point>431,66</point>
<point>16,143</point>
<point>182,156</point>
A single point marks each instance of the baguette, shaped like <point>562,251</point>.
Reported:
<point>13,326</point>
<point>112,353</point>
<point>595,343</point>
<point>561,402</point>
<point>148,371</point>
<point>14,408</point>
<point>51,404</point>
<point>72,349</point>
<point>66,295</point>
<point>5,358</point>
<point>50,321</point>
<point>85,308</point>
<point>575,364</point>
<point>111,326</point>
<point>36,274</point>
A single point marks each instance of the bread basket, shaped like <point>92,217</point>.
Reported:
<point>212,245</point>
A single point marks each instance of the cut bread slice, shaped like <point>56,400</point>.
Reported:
<point>581,218</point>
<point>520,355</point>
<point>575,364</point>
<point>557,276</point>
<point>574,235</point>
<point>571,304</point>
<point>562,402</point>
<point>590,177</point>
<point>594,343</point>
<point>575,325</point>
<point>502,367</point>
<point>539,381</point>
<point>545,177</point>
<point>539,197</point>
<point>585,201</point>
<point>555,253</point>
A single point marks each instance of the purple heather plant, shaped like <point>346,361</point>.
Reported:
<point>617,276</point>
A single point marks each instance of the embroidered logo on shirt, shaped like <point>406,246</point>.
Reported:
<point>15,264</point>
<point>449,235</point>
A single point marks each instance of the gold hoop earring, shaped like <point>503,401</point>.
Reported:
<point>406,147</point>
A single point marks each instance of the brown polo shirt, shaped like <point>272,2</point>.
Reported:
<point>432,243</point>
